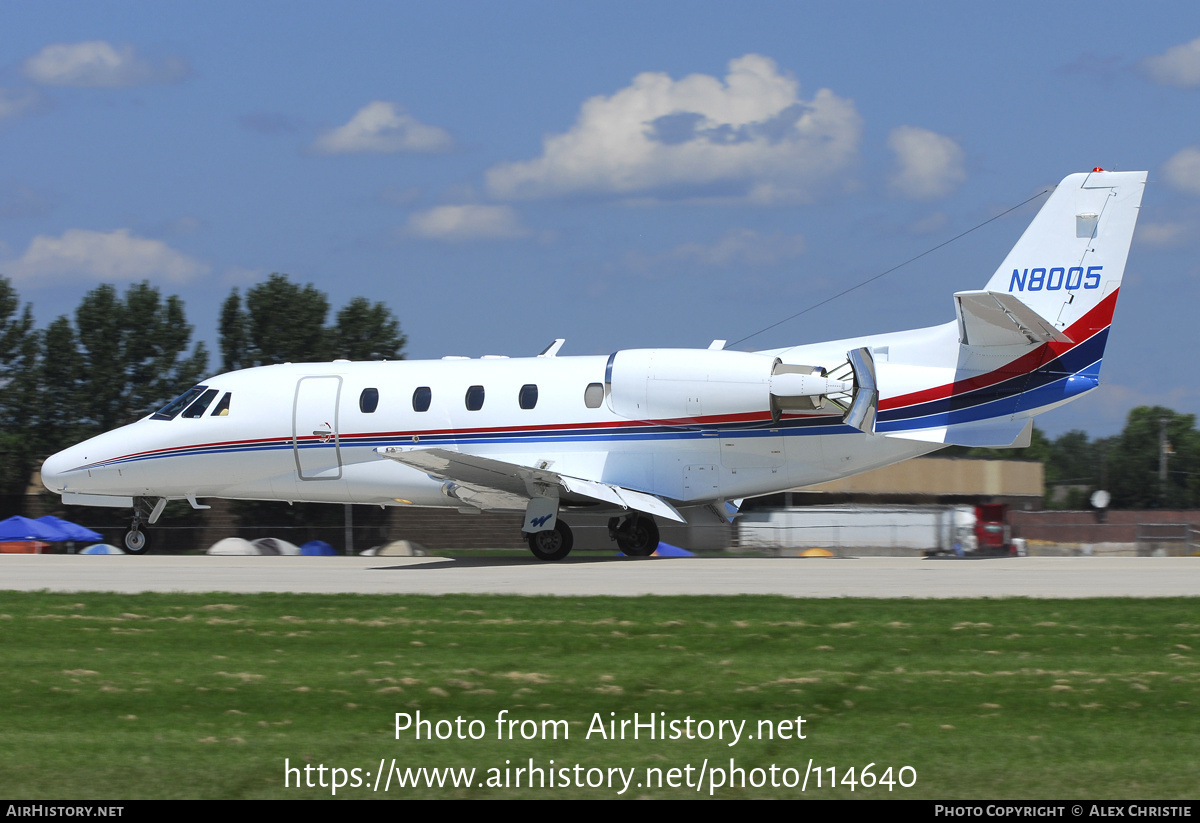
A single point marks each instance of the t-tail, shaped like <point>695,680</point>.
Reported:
<point>1033,338</point>
<point>1067,266</point>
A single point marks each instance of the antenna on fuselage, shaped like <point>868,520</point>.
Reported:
<point>552,349</point>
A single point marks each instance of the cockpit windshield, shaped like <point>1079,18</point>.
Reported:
<point>197,408</point>
<point>193,403</point>
<point>169,411</point>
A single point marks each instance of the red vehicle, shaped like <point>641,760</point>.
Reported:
<point>992,533</point>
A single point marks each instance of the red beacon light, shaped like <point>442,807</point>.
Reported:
<point>1097,169</point>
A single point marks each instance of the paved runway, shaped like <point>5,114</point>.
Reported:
<point>888,577</point>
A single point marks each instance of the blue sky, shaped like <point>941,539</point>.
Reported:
<point>619,174</point>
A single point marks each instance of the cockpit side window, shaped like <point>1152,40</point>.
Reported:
<point>222,407</point>
<point>180,403</point>
<point>197,408</point>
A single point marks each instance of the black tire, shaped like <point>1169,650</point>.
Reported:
<point>639,538</point>
<point>552,544</point>
<point>136,542</point>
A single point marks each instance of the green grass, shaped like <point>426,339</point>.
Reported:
<point>204,696</point>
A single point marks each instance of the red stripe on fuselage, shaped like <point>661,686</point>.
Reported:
<point>1096,320</point>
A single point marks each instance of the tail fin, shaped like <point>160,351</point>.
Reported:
<point>1034,337</point>
<point>1068,265</point>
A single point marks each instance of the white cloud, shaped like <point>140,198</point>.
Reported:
<point>469,222</point>
<point>1177,66</point>
<point>97,64</point>
<point>383,128</point>
<point>929,164</point>
<point>1182,171</point>
<point>112,256</point>
<point>748,136</point>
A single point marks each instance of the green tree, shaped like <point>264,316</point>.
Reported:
<point>367,331</point>
<point>133,354</point>
<point>1134,461</point>
<point>60,379</point>
<point>284,323</point>
<point>233,333</point>
<point>20,352</point>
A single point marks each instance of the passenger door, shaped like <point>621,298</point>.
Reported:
<point>315,440</point>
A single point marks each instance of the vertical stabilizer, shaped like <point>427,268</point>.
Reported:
<point>1068,264</point>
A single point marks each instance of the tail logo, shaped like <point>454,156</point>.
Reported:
<point>1055,279</point>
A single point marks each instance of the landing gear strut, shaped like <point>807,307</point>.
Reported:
<point>552,544</point>
<point>636,534</point>
<point>136,540</point>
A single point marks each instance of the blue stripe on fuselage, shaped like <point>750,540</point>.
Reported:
<point>1071,373</point>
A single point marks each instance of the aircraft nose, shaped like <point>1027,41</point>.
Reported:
<point>59,469</point>
<point>54,470</point>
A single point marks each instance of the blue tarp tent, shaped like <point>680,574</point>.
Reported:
<point>102,548</point>
<point>317,547</point>
<point>73,530</point>
<point>667,550</point>
<point>22,528</point>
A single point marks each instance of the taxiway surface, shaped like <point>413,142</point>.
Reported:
<point>887,577</point>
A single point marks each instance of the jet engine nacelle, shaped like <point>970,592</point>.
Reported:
<point>683,385</point>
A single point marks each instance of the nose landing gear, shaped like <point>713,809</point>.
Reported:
<point>137,541</point>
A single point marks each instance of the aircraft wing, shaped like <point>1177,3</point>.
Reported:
<point>497,484</point>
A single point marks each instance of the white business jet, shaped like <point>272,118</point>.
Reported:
<point>642,435</point>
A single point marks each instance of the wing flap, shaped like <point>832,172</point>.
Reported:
<point>490,479</point>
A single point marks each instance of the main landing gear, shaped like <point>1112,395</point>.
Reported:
<point>636,534</point>
<point>552,544</point>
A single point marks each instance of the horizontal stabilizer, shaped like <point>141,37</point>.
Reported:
<point>988,318</point>
<point>998,434</point>
<point>496,484</point>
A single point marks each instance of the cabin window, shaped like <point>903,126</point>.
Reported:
<point>593,395</point>
<point>180,403</point>
<point>421,398</point>
<point>528,396</point>
<point>368,401</point>
<point>197,408</point>
<point>475,398</point>
<point>222,407</point>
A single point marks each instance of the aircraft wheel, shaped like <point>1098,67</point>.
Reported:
<point>639,538</point>
<point>136,542</point>
<point>552,544</point>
